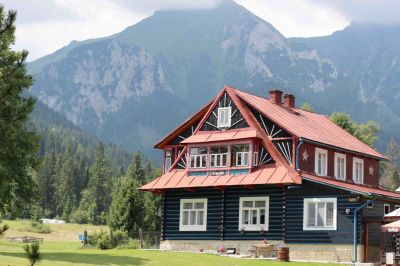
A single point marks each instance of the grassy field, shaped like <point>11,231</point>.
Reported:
<point>62,247</point>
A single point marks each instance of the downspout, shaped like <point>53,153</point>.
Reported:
<point>355,230</point>
<point>297,153</point>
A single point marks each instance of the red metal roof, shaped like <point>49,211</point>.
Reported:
<point>366,190</point>
<point>308,125</point>
<point>214,136</point>
<point>270,174</point>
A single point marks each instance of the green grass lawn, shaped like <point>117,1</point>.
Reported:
<point>62,247</point>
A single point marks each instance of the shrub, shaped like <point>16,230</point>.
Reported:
<point>104,242</point>
<point>119,238</point>
<point>37,227</point>
<point>131,244</point>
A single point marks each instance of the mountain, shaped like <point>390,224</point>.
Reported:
<point>57,134</point>
<point>135,86</point>
<point>370,55</point>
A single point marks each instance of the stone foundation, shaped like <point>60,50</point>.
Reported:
<point>311,252</point>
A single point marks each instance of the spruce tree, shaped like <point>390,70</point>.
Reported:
<point>96,197</point>
<point>126,210</point>
<point>18,146</point>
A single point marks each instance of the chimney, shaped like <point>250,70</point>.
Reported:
<point>275,96</point>
<point>289,100</point>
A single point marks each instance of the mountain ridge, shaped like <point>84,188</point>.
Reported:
<point>132,87</point>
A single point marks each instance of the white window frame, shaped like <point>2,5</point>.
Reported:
<point>396,207</point>
<point>202,227</point>
<point>319,228</point>
<point>214,156</point>
<point>355,161</point>
<point>221,123</point>
<point>255,158</point>
<point>198,157</point>
<point>384,208</point>
<point>169,160</point>
<point>340,156</point>
<point>256,227</point>
<point>325,152</point>
<point>242,155</point>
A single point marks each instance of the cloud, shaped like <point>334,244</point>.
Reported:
<point>365,11</point>
<point>297,18</point>
<point>46,25</point>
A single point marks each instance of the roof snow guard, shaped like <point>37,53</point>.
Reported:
<point>266,175</point>
<point>358,189</point>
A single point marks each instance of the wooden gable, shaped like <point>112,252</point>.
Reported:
<point>237,119</point>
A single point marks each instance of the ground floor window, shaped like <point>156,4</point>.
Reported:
<point>320,214</point>
<point>253,213</point>
<point>193,215</point>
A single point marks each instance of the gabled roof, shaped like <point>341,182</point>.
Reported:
<point>264,175</point>
<point>185,125</point>
<point>309,126</point>
<point>359,189</point>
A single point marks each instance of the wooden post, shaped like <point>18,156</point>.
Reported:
<point>84,238</point>
<point>140,238</point>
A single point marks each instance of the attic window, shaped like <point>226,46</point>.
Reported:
<point>224,116</point>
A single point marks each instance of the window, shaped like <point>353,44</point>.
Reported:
<point>253,213</point>
<point>386,208</point>
<point>193,215</point>
<point>255,156</point>
<point>321,158</point>
<point>358,170</point>
<point>168,160</point>
<point>198,157</point>
<point>224,117</point>
<point>219,156</point>
<point>320,214</point>
<point>396,207</point>
<point>240,155</point>
<point>340,166</point>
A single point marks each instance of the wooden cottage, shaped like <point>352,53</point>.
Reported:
<point>247,168</point>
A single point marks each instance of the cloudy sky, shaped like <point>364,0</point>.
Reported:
<point>44,26</point>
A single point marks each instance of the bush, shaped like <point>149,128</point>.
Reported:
<point>37,227</point>
<point>104,242</point>
<point>119,238</point>
<point>131,244</point>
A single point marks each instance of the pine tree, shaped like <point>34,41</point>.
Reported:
<point>18,146</point>
<point>46,181</point>
<point>127,208</point>
<point>96,198</point>
<point>65,197</point>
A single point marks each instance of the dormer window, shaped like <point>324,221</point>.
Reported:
<point>219,156</point>
<point>240,155</point>
<point>168,160</point>
<point>321,161</point>
<point>198,157</point>
<point>358,170</point>
<point>224,117</point>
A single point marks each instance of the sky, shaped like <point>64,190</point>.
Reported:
<point>43,26</point>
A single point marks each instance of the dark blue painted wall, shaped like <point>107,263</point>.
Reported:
<point>171,214</point>
<point>232,195</point>
<point>294,214</point>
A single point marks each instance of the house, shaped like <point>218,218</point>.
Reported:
<point>247,168</point>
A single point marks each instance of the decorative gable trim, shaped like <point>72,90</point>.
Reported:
<point>236,119</point>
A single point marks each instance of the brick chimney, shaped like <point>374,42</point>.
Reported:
<point>275,96</point>
<point>289,100</point>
